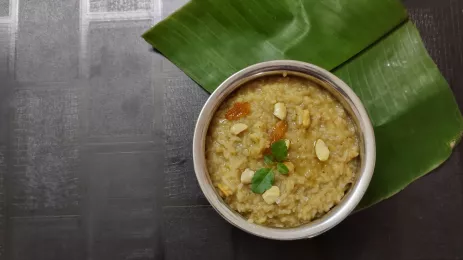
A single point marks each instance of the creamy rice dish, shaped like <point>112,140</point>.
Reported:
<point>282,151</point>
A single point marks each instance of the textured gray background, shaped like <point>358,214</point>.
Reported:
<point>95,147</point>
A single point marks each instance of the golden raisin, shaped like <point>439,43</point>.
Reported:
<point>238,110</point>
<point>278,131</point>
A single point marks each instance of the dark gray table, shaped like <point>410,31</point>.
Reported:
<point>95,148</point>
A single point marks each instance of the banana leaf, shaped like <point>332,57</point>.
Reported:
<point>414,113</point>
<point>369,44</point>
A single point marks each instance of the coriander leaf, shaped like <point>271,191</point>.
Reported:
<point>268,159</point>
<point>281,167</point>
<point>279,150</point>
<point>262,180</point>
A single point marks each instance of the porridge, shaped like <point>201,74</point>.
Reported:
<point>282,151</point>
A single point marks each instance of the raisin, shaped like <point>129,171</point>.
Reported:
<point>278,131</point>
<point>239,110</point>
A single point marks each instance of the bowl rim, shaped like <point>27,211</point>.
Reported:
<point>343,93</point>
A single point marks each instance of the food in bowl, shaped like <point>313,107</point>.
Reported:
<point>282,151</point>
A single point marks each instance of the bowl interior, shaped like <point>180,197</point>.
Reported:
<point>345,96</point>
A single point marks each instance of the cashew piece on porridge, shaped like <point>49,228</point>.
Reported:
<point>322,151</point>
<point>246,176</point>
<point>305,118</point>
<point>290,166</point>
<point>288,143</point>
<point>225,190</point>
<point>271,195</point>
<point>236,129</point>
<point>279,110</point>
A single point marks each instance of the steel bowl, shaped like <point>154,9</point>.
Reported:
<point>352,105</point>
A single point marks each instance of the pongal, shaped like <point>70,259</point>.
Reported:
<point>282,151</point>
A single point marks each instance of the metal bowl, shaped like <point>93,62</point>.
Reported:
<point>347,98</point>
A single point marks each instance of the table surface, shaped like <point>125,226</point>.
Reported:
<point>95,147</point>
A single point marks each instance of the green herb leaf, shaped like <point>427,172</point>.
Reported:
<point>268,159</point>
<point>262,180</point>
<point>279,150</point>
<point>282,168</point>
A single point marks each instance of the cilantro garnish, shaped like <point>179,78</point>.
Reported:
<point>281,167</point>
<point>279,150</point>
<point>268,159</point>
<point>262,180</point>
